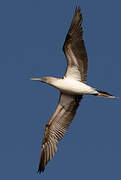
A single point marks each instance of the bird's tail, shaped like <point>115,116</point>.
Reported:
<point>104,94</point>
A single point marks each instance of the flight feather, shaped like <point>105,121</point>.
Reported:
<point>57,126</point>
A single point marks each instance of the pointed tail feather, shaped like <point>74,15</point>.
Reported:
<point>104,94</point>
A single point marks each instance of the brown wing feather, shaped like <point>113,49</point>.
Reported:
<point>57,126</point>
<point>75,50</point>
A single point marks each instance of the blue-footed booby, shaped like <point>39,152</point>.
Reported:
<point>72,87</point>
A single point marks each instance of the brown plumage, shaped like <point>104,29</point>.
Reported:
<point>57,126</point>
<point>68,104</point>
<point>75,50</point>
<point>72,87</point>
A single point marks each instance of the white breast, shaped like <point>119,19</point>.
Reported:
<point>72,86</point>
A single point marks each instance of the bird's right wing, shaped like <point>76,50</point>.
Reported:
<point>57,126</point>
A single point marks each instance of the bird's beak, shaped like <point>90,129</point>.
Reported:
<point>35,79</point>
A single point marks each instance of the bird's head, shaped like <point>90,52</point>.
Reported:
<point>46,79</point>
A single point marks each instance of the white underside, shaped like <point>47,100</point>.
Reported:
<point>71,86</point>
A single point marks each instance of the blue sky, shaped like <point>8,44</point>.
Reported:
<point>32,33</point>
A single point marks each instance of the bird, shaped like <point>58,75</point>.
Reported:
<point>72,88</point>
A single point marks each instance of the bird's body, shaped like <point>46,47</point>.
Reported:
<point>72,87</point>
<point>69,85</point>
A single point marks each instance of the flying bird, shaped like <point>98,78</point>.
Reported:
<point>72,88</point>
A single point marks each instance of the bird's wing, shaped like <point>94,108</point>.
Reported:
<point>57,126</point>
<point>75,50</point>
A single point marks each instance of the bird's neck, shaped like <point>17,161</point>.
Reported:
<point>50,80</point>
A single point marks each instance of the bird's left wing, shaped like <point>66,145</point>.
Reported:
<point>57,126</point>
<point>75,51</point>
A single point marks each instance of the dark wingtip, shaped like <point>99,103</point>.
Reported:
<point>40,169</point>
<point>78,10</point>
<point>41,165</point>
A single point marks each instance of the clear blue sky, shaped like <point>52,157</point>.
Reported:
<point>32,33</point>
